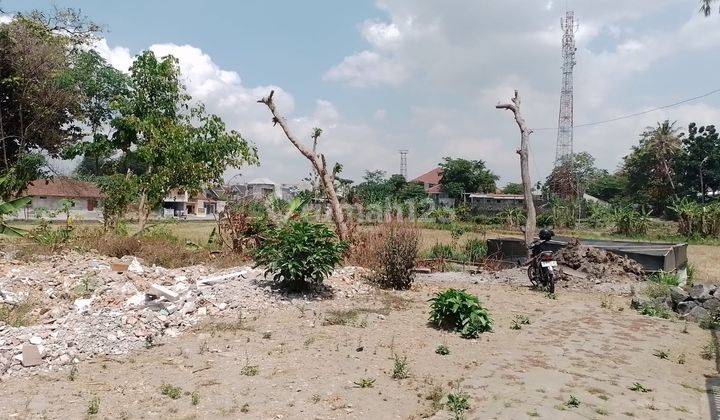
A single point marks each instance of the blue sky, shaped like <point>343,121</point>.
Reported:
<point>422,75</point>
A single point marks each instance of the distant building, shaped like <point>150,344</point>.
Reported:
<point>494,202</point>
<point>433,188</point>
<point>206,204</point>
<point>52,195</point>
<point>261,188</point>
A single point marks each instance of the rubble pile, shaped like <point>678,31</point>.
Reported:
<point>75,306</point>
<point>695,303</point>
<point>599,263</point>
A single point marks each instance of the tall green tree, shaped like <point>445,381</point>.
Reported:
<point>650,166</point>
<point>162,140</point>
<point>607,186</point>
<point>570,179</point>
<point>466,176</point>
<point>698,166</point>
<point>512,188</point>
<point>40,102</point>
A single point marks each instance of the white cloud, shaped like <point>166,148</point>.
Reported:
<point>381,35</point>
<point>367,68</point>
<point>118,57</point>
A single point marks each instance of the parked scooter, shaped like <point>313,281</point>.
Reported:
<point>542,264</point>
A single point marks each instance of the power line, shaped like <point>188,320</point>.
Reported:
<point>636,114</point>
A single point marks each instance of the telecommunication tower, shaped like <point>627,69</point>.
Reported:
<point>403,163</point>
<point>564,149</point>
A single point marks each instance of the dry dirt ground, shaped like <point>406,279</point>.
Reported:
<point>303,362</point>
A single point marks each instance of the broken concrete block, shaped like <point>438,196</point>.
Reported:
<point>209,281</point>
<point>31,355</point>
<point>697,313</point>
<point>135,266</point>
<point>711,304</point>
<point>163,291</point>
<point>685,307</point>
<point>678,294</point>
<point>82,305</point>
<point>700,292</point>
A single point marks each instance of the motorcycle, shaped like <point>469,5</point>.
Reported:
<point>542,264</point>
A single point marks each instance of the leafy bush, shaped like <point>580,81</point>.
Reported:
<point>695,219</point>
<point>629,221</point>
<point>475,250</point>
<point>655,309</point>
<point>459,311</point>
<point>439,250</point>
<point>512,218</point>
<point>598,215</point>
<point>442,215</point>
<point>396,254</point>
<point>563,214</point>
<point>300,252</point>
<point>662,277</point>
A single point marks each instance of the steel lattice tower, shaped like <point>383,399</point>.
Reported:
<point>403,163</point>
<point>564,147</point>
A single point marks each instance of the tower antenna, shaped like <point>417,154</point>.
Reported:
<point>403,163</point>
<point>564,149</point>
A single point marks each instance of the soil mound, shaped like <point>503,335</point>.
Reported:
<point>599,263</point>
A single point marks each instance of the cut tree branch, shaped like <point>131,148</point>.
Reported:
<point>318,163</point>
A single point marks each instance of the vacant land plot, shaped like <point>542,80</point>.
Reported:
<point>582,355</point>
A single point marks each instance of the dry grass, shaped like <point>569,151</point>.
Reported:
<point>705,259</point>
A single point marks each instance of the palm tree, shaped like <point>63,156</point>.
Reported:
<point>664,143</point>
<point>706,6</point>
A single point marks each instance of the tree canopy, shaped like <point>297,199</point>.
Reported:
<point>378,188</point>
<point>466,176</point>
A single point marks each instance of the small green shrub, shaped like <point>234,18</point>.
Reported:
<point>475,250</point>
<point>400,367</point>
<point>572,402</point>
<point>662,277</point>
<point>711,321</point>
<point>458,404</point>
<point>655,290</point>
<point>442,350</point>
<point>443,251</point>
<point>709,350</point>
<point>638,387</point>
<point>299,253</point>
<point>655,309</point>
<point>519,321</point>
<point>93,406</point>
<point>365,383</point>
<point>697,220</point>
<point>171,391</point>
<point>195,398</point>
<point>459,311</point>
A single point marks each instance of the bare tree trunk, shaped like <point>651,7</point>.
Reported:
<point>524,166</point>
<point>318,162</point>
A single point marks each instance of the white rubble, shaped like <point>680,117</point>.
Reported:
<point>80,308</point>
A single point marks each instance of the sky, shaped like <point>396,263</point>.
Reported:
<point>422,75</point>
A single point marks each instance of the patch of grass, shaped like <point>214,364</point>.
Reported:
<point>711,321</point>
<point>709,350</point>
<point>400,367</point>
<point>171,391</point>
<point>602,412</point>
<point>638,387</point>
<point>572,402</point>
<point>20,315</point>
<point>267,335</point>
<point>250,370</point>
<point>245,408</point>
<point>365,383</point>
<point>661,354</point>
<point>533,413</point>
<point>442,350</point>
<point>681,359</point>
<point>457,403</point>
<point>195,398</point>
<point>93,406</point>
<point>435,397</point>
<point>348,317</point>
<point>662,277</point>
<point>655,309</point>
<point>519,321</point>
<point>657,290</point>
<point>551,296</point>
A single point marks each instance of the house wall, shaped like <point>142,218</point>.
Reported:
<point>494,204</point>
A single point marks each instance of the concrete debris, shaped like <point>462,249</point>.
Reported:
<point>599,263</point>
<point>76,306</point>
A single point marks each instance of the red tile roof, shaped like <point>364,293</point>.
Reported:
<point>435,189</point>
<point>432,177</point>
<point>63,187</point>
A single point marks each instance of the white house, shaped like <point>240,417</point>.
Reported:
<point>179,203</point>
<point>260,188</point>
<point>52,195</point>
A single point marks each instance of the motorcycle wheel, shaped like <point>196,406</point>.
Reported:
<point>531,276</point>
<point>550,281</point>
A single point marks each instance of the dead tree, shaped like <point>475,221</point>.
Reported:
<point>327,178</point>
<point>524,165</point>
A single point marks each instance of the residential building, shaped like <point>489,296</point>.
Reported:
<point>180,203</point>
<point>431,181</point>
<point>495,202</point>
<point>50,195</point>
